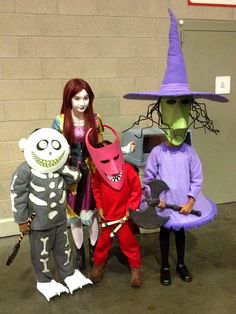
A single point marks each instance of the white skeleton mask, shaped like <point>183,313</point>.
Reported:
<point>46,150</point>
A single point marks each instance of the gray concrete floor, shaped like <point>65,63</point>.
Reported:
<point>210,256</point>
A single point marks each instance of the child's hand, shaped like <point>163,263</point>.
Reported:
<point>127,215</point>
<point>129,148</point>
<point>101,214</point>
<point>24,228</point>
<point>187,208</point>
<point>161,204</point>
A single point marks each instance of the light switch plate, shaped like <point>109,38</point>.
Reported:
<point>222,84</point>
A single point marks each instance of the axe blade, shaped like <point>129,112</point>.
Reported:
<point>147,219</point>
<point>157,187</point>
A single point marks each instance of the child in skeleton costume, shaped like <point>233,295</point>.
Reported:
<point>39,186</point>
<point>116,188</point>
<point>173,161</point>
<point>76,117</point>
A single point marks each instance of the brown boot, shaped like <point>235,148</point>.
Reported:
<point>96,273</point>
<point>135,280</point>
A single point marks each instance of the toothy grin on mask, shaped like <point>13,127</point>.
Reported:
<point>47,163</point>
<point>115,178</point>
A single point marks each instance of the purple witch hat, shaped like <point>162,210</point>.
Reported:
<point>175,81</point>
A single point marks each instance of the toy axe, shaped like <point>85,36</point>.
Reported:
<point>158,186</point>
<point>148,219</point>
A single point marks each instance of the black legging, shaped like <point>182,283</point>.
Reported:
<point>164,245</point>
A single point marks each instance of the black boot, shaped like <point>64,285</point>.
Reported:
<point>79,259</point>
<point>91,251</point>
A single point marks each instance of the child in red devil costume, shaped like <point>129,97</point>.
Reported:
<point>116,188</point>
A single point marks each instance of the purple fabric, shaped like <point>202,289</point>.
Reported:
<point>154,95</point>
<point>175,82</point>
<point>180,167</point>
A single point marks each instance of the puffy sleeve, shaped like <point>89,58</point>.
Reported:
<point>57,123</point>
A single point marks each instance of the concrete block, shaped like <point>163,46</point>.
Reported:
<point>25,110</point>
<point>79,47</point>
<point>39,47</point>
<point>151,47</point>
<point>37,7</point>
<point>117,8</point>
<point>90,67</point>
<point>107,106</point>
<point>152,8</point>
<point>41,89</point>
<point>19,68</point>
<point>9,46</point>
<point>133,108</point>
<point>10,90</point>
<point>115,87</point>
<point>4,189</point>
<point>59,47</point>
<point>99,26</point>
<point>35,124</point>
<point>13,131</point>
<point>117,47</point>
<point>4,152</point>
<point>77,7</point>
<point>53,108</point>
<point>7,6</point>
<point>14,151</point>
<point>151,83</point>
<point>18,25</point>
<point>6,219</point>
<point>7,169</point>
<point>138,67</point>
<point>140,27</point>
<point>58,25</point>
<point>2,112</point>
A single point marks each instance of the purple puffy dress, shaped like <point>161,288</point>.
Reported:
<point>180,168</point>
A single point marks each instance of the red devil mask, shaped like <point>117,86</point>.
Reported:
<point>108,160</point>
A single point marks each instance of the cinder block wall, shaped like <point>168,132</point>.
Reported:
<point>117,46</point>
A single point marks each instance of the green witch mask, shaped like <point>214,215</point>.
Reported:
<point>175,114</point>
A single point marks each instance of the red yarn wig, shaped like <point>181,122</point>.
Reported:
<point>71,88</point>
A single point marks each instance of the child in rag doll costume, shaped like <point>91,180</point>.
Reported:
<point>173,161</point>
<point>116,188</point>
<point>77,116</point>
<point>39,186</point>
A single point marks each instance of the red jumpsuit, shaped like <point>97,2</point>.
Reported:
<point>115,204</point>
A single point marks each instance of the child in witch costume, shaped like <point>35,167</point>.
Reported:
<point>116,188</point>
<point>173,161</point>
<point>39,186</point>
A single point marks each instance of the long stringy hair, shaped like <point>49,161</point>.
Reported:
<point>71,88</point>
<point>198,116</point>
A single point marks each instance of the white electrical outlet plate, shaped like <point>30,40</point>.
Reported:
<point>222,84</point>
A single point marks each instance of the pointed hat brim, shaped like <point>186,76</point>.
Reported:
<point>154,95</point>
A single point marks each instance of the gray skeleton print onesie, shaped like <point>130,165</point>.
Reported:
<point>39,186</point>
<point>45,195</point>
